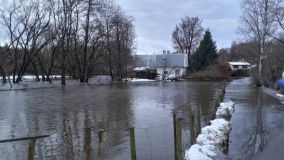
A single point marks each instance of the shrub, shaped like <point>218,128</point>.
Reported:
<point>240,73</point>
<point>213,73</point>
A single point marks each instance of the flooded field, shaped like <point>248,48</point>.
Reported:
<point>63,113</point>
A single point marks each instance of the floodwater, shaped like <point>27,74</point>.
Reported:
<point>63,113</point>
<point>258,117</point>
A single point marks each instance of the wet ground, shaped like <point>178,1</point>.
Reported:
<point>63,113</point>
<point>257,123</point>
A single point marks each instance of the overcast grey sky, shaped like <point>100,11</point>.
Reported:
<point>155,20</point>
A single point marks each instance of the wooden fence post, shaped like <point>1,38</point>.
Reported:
<point>87,144</point>
<point>31,149</point>
<point>198,121</point>
<point>179,139</point>
<point>175,142</point>
<point>132,144</point>
<point>191,127</point>
<point>214,104</point>
<point>100,134</point>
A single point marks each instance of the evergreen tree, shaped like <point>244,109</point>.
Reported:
<point>206,53</point>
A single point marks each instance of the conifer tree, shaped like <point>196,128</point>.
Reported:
<point>206,53</point>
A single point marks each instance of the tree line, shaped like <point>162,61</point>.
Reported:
<point>72,38</point>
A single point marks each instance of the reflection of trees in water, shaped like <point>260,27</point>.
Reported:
<point>110,109</point>
<point>257,140</point>
<point>199,96</point>
<point>67,143</point>
<point>114,121</point>
<point>66,127</point>
<point>204,98</point>
<point>67,137</point>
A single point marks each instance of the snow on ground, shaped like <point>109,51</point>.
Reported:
<point>212,138</point>
<point>141,80</point>
<point>33,77</point>
<point>140,68</point>
<point>226,109</point>
<point>30,84</point>
<point>279,95</point>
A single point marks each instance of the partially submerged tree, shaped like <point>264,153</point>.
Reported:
<point>67,37</point>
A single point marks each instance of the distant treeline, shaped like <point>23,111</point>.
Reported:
<point>77,38</point>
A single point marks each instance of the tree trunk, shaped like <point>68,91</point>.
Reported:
<point>4,80</point>
<point>36,72</point>
<point>63,81</point>
<point>109,59</point>
<point>188,60</point>
<point>83,77</point>
<point>15,66</point>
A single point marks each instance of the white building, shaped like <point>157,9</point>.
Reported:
<point>169,66</point>
<point>234,66</point>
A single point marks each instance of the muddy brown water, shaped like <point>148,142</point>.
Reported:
<point>63,113</point>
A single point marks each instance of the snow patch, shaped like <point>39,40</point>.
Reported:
<point>99,79</point>
<point>225,110</point>
<point>140,69</point>
<point>215,134</point>
<point>141,80</point>
<point>279,95</point>
<point>213,137</point>
<point>200,153</point>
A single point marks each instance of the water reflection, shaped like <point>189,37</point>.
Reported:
<point>257,140</point>
<point>256,116</point>
<point>63,113</point>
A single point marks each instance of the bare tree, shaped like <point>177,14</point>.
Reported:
<point>69,37</point>
<point>123,38</point>
<point>273,66</point>
<point>26,25</point>
<point>257,26</point>
<point>104,17</point>
<point>3,66</point>
<point>187,35</point>
<point>278,18</point>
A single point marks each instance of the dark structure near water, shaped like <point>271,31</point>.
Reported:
<point>143,73</point>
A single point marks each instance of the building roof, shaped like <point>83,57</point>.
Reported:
<point>240,63</point>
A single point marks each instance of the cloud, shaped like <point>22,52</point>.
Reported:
<point>155,20</point>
